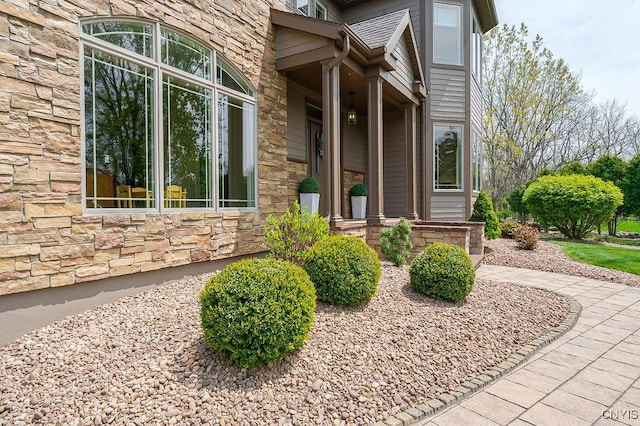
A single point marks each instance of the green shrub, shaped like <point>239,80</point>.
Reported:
<point>443,271</point>
<point>505,214</point>
<point>345,270</point>
<point>289,236</point>
<point>359,190</point>
<point>309,185</point>
<point>483,212</point>
<point>394,242</point>
<point>256,311</point>
<point>516,203</point>
<point>572,168</point>
<point>575,204</point>
<point>508,228</point>
<point>527,237</point>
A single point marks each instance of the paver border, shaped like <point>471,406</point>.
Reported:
<point>444,400</point>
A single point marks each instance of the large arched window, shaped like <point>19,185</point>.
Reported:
<point>168,123</point>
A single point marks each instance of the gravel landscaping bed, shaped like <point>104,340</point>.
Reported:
<point>550,257</point>
<point>143,359</point>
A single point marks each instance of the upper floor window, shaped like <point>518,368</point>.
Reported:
<point>168,123</point>
<point>476,50</point>
<point>447,33</point>
<point>447,157</point>
<point>476,161</point>
<point>321,11</point>
<point>303,6</point>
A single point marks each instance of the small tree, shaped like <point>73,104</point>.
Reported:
<point>575,204</point>
<point>572,168</point>
<point>631,187</point>
<point>612,169</point>
<point>516,204</point>
<point>288,237</point>
<point>483,212</point>
<point>394,242</point>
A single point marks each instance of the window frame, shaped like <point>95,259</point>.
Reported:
<point>459,160</point>
<point>160,71</point>
<point>300,11</point>
<point>476,49</point>
<point>460,43</point>
<point>324,8</point>
<point>476,162</point>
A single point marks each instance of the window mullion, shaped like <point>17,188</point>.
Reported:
<point>158,125</point>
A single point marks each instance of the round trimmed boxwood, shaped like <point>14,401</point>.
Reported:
<point>345,270</point>
<point>359,190</point>
<point>443,271</point>
<point>255,311</point>
<point>309,185</point>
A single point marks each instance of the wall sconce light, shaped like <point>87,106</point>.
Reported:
<point>352,114</point>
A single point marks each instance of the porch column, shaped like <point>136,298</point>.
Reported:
<point>427,160</point>
<point>331,131</point>
<point>375,139</point>
<point>410,162</point>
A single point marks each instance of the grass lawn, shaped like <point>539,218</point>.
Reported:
<point>628,226</point>
<point>619,258</point>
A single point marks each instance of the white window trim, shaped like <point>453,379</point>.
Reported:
<point>461,165</point>
<point>460,9</point>
<point>160,69</point>
<point>297,8</point>
<point>476,56</point>
<point>478,135</point>
<point>322,6</point>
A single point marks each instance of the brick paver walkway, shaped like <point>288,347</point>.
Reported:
<point>591,375</point>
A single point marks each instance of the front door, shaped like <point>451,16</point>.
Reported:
<point>315,144</point>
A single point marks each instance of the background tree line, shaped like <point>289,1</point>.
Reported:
<point>539,117</point>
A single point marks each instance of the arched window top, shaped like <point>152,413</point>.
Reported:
<point>133,36</point>
<point>228,77</point>
<point>177,50</point>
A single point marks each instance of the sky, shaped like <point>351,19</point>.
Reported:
<point>600,39</point>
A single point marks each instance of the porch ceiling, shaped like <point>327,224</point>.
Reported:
<point>303,44</point>
<point>310,77</point>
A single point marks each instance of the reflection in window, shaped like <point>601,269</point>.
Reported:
<point>321,11</point>
<point>145,149</point>
<point>447,34</point>
<point>187,141</point>
<point>476,161</point>
<point>236,160</point>
<point>185,54</point>
<point>448,157</point>
<point>303,6</point>
<point>119,137</point>
<point>476,50</point>
<point>228,77</point>
<point>132,36</point>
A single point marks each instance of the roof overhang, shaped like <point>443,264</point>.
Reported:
<point>486,10</point>
<point>360,52</point>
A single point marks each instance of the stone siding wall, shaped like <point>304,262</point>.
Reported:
<point>45,239</point>
<point>297,171</point>
<point>467,235</point>
<point>349,179</point>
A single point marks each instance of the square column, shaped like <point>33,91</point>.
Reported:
<point>331,130</point>
<point>410,161</point>
<point>375,139</point>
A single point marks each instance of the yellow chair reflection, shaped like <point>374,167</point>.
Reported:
<point>123,195</point>
<point>175,196</point>
<point>139,192</point>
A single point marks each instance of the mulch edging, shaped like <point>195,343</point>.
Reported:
<point>489,376</point>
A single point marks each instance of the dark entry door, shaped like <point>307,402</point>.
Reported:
<point>315,144</point>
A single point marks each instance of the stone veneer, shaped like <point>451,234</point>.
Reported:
<point>467,235</point>
<point>298,170</point>
<point>349,178</point>
<point>45,239</point>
